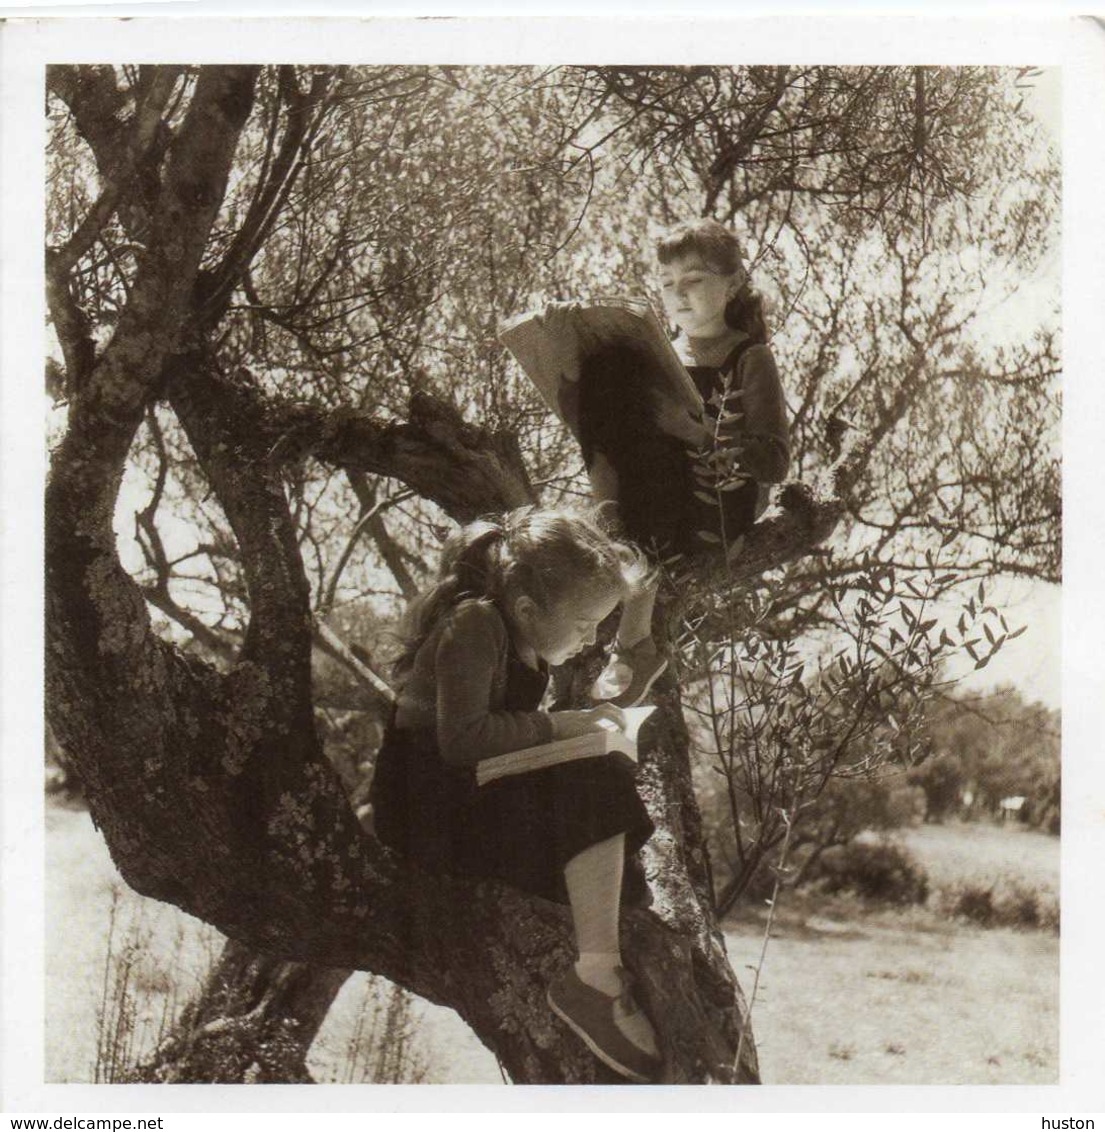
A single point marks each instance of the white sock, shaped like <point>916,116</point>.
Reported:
<point>599,969</point>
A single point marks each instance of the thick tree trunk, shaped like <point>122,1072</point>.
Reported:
<point>253,1023</point>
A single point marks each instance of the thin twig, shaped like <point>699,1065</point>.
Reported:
<point>788,821</point>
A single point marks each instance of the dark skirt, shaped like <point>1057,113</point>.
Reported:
<point>521,830</point>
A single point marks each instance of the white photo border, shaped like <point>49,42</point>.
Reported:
<point>1076,44</point>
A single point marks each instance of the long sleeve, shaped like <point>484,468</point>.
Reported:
<point>765,440</point>
<point>469,667</point>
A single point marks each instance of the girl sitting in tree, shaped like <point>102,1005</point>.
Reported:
<point>679,488</point>
<point>513,598</point>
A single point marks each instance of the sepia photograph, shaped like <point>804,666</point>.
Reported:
<point>551,570</point>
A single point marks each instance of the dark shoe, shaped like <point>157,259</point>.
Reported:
<point>629,674</point>
<point>594,1016</point>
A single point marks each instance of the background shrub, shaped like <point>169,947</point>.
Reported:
<point>877,870</point>
<point>1005,903</point>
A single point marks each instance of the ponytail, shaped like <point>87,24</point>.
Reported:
<point>472,567</point>
<point>473,559</point>
<point>745,311</point>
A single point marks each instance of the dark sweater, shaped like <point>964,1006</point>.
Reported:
<point>457,688</point>
<point>761,429</point>
<point>659,497</point>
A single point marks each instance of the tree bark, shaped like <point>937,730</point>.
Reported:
<point>252,1023</point>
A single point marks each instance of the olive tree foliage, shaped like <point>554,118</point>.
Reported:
<point>275,293</point>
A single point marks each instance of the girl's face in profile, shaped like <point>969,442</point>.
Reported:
<point>695,295</point>
<point>568,625</point>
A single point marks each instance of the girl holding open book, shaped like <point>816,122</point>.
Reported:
<point>683,487</point>
<point>513,598</point>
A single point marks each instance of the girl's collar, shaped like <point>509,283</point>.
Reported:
<point>707,351</point>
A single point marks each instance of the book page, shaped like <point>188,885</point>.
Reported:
<point>634,719</point>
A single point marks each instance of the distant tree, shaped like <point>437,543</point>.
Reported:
<point>1003,746</point>
<point>942,779</point>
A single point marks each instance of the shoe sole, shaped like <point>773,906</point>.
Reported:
<point>593,1046</point>
<point>644,691</point>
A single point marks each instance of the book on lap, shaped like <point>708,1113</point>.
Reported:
<point>611,740</point>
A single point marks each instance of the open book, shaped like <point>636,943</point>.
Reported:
<point>610,740</point>
<point>551,345</point>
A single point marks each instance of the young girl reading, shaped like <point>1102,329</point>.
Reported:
<point>512,598</point>
<point>650,470</point>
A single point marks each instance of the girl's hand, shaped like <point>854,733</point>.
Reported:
<point>568,724</point>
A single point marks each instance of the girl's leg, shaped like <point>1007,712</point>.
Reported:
<point>594,881</point>
<point>636,661</point>
<point>636,620</point>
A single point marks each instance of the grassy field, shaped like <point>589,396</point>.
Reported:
<point>846,996</point>
<point>854,996</point>
<point>985,853</point>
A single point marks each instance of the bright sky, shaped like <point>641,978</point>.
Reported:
<point>1033,662</point>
